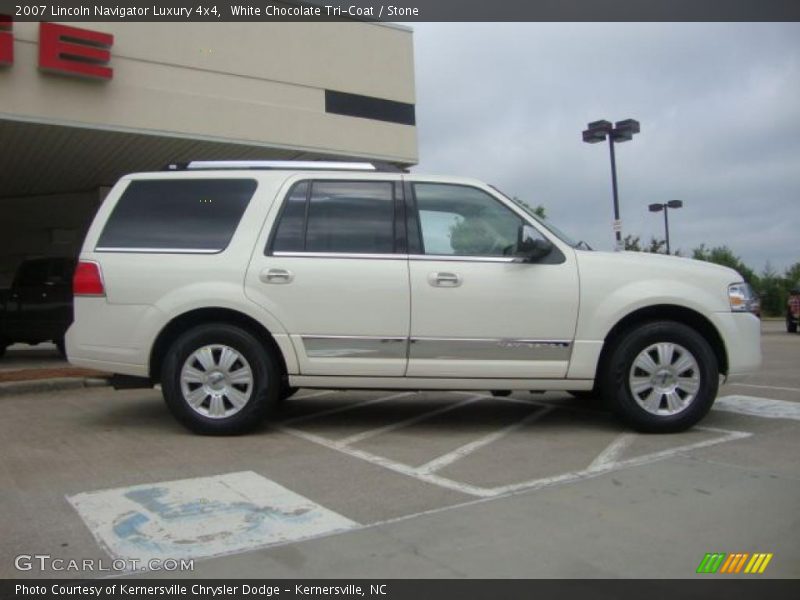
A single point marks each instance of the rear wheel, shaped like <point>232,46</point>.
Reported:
<point>3,345</point>
<point>61,347</point>
<point>661,377</point>
<point>218,379</point>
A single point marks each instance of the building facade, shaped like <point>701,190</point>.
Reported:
<point>83,104</point>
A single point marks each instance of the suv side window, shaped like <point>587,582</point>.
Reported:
<point>182,215</point>
<point>459,220</point>
<point>355,217</point>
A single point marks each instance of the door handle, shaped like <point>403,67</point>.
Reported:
<point>444,279</point>
<point>276,276</point>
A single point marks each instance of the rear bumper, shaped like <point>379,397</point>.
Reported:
<point>109,337</point>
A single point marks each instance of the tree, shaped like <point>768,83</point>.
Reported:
<point>656,246</point>
<point>539,210</point>
<point>722,255</point>
<point>631,243</point>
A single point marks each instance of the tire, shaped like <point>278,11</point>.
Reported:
<point>287,392</point>
<point>3,346</point>
<point>61,346</point>
<point>221,406</point>
<point>676,387</point>
<point>501,393</point>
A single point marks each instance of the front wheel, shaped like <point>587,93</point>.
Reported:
<point>218,379</point>
<point>661,377</point>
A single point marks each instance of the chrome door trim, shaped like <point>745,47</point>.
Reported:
<point>454,258</point>
<point>160,250</point>
<point>351,346</point>
<point>435,348</point>
<point>387,256</point>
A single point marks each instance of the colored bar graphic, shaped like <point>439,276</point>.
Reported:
<point>721,562</point>
<point>711,562</point>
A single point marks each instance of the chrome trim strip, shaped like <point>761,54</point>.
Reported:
<point>452,258</point>
<point>388,256</point>
<point>161,250</point>
<point>429,348</point>
<point>341,255</point>
<point>343,346</point>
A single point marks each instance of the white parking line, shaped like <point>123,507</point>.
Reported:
<point>314,394</point>
<point>388,463</point>
<point>424,472</point>
<point>535,484</point>
<point>766,387</point>
<point>759,407</point>
<point>358,437</point>
<point>613,451</point>
<point>467,449</point>
<point>346,407</point>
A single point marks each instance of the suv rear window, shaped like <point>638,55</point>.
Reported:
<point>183,215</point>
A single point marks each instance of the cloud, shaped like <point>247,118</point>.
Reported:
<point>718,104</point>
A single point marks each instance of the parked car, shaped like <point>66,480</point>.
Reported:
<point>793,309</point>
<point>38,306</point>
<point>232,284</point>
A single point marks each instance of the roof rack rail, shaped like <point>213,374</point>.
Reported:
<point>311,165</point>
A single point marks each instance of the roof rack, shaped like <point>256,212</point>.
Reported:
<point>311,165</point>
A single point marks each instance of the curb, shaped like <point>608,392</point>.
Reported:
<point>55,384</point>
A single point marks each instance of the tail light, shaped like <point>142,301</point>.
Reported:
<point>87,280</point>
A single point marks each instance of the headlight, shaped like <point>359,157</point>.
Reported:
<point>741,297</point>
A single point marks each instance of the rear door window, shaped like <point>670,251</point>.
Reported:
<point>177,215</point>
<point>353,217</point>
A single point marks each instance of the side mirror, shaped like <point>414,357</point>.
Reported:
<point>531,247</point>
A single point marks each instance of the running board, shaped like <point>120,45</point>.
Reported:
<point>431,383</point>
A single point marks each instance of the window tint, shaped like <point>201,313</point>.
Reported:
<point>290,235</point>
<point>464,221</point>
<point>186,214</point>
<point>342,216</point>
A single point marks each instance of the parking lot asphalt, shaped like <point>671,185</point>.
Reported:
<point>386,484</point>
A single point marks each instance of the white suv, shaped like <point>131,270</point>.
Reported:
<point>233,284</point>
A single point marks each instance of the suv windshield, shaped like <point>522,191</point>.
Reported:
<point>581,245</point>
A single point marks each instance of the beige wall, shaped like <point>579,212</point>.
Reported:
<point>254,83</point>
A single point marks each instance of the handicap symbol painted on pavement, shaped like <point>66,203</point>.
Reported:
<point>201,517</point>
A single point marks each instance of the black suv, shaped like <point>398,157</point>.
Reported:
<point>38,307</point>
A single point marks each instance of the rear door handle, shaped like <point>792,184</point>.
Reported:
<point>444,279</point>
<point>276,276</point>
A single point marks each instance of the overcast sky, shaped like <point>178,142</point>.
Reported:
<point>719,106</point>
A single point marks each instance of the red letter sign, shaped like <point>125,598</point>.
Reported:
<point>6,41</point>
<point>74,51</point>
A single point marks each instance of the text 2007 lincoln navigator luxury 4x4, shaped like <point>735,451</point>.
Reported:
<point>232,284</point>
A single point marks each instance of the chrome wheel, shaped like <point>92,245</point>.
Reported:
<point>216,381</point>
<point>664,379</point>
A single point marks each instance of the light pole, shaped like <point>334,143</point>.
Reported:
<point>622,131</point>
<point>657,207</point>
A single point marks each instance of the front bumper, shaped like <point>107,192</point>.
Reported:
<point>741,334</point>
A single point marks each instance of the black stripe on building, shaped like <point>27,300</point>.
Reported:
<point>369,107</point>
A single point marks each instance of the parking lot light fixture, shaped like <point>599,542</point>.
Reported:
<point>658,207</point>
<point>622,131</point>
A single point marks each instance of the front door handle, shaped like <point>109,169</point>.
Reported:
<point>276,276</point>
<point>444,279</point>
